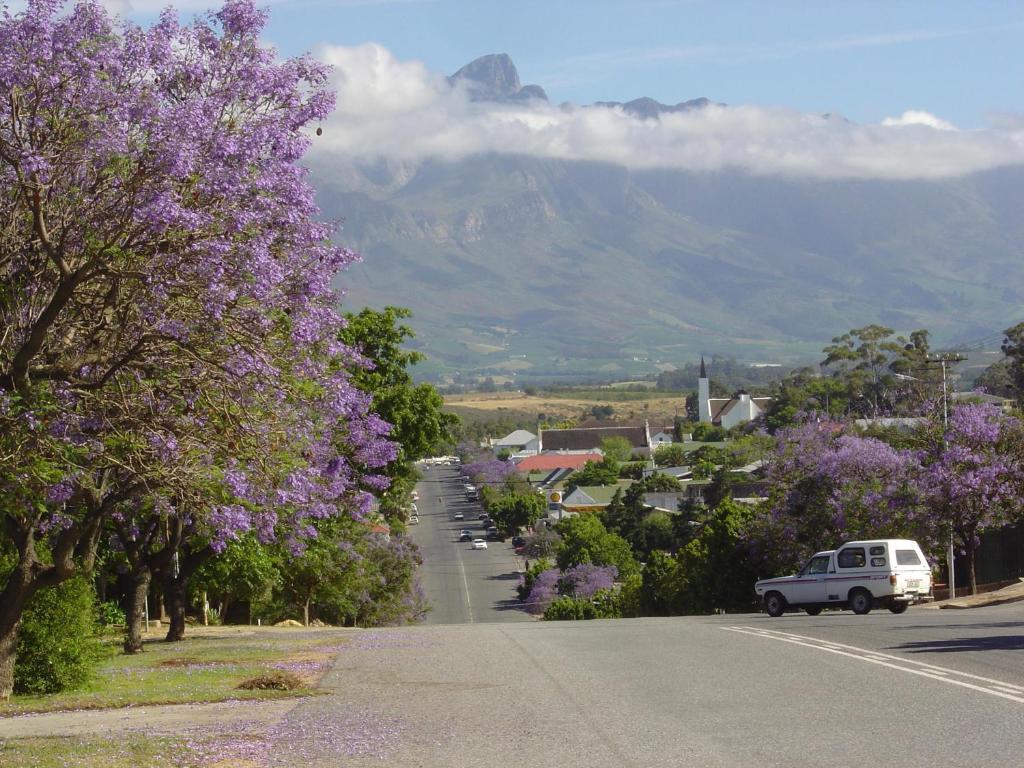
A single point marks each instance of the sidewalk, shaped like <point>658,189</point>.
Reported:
<point>167,719</point>
<point>1010,594</point>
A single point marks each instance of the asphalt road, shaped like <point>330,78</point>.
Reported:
<point>927,689</point>
<point>487,685</point>
<point>463,585</point>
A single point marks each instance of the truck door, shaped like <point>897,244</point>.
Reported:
<point>810,587</point>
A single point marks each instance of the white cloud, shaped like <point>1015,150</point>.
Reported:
<point>918,117</point>
<point>400,110</point>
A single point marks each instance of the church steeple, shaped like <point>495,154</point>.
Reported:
<point>703,394</point>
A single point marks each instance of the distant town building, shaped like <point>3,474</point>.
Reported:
<point>521,442</point>
<point>588,436</point>
<point>726,412</point>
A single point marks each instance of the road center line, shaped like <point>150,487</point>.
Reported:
<point>786,638</point>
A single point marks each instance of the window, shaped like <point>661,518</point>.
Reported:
<point>907,557</point>
<point>877,562</point>
<point>852,558</point>
<point>877,550</point>
<point>818,564</point>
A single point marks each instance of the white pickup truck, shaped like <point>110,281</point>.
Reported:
<point>857,575</point>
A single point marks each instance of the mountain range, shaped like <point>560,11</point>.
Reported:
<point>549,269</point>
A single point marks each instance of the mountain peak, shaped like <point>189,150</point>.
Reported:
<point>494,78</point>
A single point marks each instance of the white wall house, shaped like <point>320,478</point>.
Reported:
<point>661,438</point>
<point>727,412</point>
<point>518,442</point>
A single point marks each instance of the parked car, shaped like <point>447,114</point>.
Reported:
<point>493,534</point>
<point>479,544</point>
<point>858,575</point>
<point>482,516</point>
<point>518,541</point>
<point>465,535</point>
<point>414,519</point>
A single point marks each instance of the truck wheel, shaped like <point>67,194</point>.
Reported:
<point>774,604</point>
<point>898,607</point>
<point>861,601</point>
<point>813,611</point>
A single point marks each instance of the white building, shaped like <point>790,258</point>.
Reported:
<point>726,412</point>
<point>518,442</point>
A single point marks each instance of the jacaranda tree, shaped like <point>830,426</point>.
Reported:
<point>827,486</point>
<point>972,478</point>
<point>168,333</point>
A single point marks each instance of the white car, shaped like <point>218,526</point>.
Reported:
<point>859,575</point>
<point>414,520</point>
<point>479,544</point>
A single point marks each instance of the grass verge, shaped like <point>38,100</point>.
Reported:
<point>208,666</point>
<point>130,752</point>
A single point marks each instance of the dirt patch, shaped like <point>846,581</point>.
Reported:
<point>278,680</point>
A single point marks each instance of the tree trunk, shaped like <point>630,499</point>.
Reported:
<point>72,551</point>
<point>138,592</point>
<point>12,603</point>
<point>8,653</point>
<point>175,597</point>
<point>305,613</point>
<point>176,589</point>
<point>970,568</point>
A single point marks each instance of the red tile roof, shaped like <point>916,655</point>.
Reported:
<point>549,461</point>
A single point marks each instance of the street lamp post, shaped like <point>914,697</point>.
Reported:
<point>950,553</point>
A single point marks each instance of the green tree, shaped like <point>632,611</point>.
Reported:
<point>659,590</point>
<point>716,569</point>
<point>515,510</point>
<point>997,379</point>
<point>415,411</point>
<point>604,472</point>
<point>586,540</point>
<point>618,449</point>
<point>1013,348</point>
<point>671,455</point>
<point>868,358</point>
<point>247,571</point>
<point>708,433</point>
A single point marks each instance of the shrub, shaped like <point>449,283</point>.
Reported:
<point>570,609</point>
<point>110,614</point>
<point>527,579</point>
<point>57,646</point>
<point>605,604</point>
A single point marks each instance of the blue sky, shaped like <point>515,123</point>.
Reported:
<point>962,61</point>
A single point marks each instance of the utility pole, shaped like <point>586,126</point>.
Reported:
<point>944,360</point>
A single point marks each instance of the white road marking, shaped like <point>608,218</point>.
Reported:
<point>881,659</point>
<point>1005,689</point>
<point>928,666</point>
<point>465,586</point>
